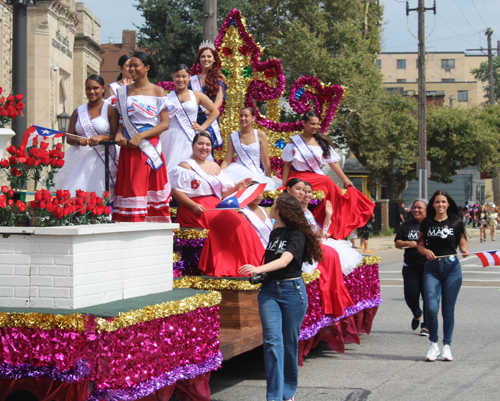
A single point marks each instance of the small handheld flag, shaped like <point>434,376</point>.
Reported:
<point>489,258</point>
<point>30,137</point>
<point>240,199</point>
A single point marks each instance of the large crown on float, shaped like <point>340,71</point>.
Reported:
<point>207,43</point>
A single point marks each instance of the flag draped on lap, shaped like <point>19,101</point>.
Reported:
<point>240,199</point>
<point>489,258</point>
<point>30,137</point>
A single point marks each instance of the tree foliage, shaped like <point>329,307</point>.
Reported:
<point>173,29</point>
<point>482,75</point>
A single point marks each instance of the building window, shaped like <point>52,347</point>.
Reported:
<point>447,79</point>
<point>448,63</point>
<point>400,81</point>
<point>401,64</point>
<point>379,64</point>
<point>463,96</point>
<point>431,93</point>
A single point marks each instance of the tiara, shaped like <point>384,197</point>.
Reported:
<point>207,43</point>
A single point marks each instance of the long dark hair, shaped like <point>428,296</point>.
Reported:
<point>146,59</point>
<point>213,74</point>
<point>292,215</point>
<point>121,62</point>
<point>454,215</point>
<point>323,141</point>
<point>293,181</point>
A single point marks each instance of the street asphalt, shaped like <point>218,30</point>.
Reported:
<point>389,363</point>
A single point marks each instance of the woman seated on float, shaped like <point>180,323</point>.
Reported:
<point>183,109</point>
<point>252,153</point>
<point>212,83</point>
<point>334,294</point>
<point>93,122</point>
<point>198,185</point>
<point>258,218</point>
<point>306,154</point>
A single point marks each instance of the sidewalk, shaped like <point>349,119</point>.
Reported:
<point>382,242</point>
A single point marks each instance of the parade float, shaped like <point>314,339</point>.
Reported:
<point>82,319</point>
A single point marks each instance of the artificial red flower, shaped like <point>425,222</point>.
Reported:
<point>226,51</point>
<point>38,196</point>
<point>21,160</point>
<point>60,155</point>
<point>10,193</point>
<point>3,198</point>
<point>37,163</point>
<point>10,98</point>
<point>98,200</point>
<point>4,163</point>
<point>59,146</point>
<point>11,149</point>
<point>13,114</point>
<point>5,189</point>
<point>20,106</point>
<point>30,161</point>
<point>43,204</point>
<point>3,204</point>
<point>2,99</point>
<point>10,202</point>
<point>34,205</point>
<point>195,184</point>
<point>60,193</point>
<point>46,196</point>
<point>107,209</point>
<point>19,97</point>
<point>44,145</point>
<point>45,161</point>
<point>105,194</point>
<point>12,160</point>
<point>21,206</point>
<point>1,90</point>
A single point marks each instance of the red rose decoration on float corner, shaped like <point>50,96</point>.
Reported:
<point>195,184</point>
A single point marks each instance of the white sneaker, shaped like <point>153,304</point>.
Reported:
<point>433,352</point>
<point>447,357</point>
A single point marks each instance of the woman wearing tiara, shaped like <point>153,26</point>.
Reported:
<point>123,79</point>
<point>84,161</point>
<point>210,82</point>
<point>252,153</point>
<point>305,155</point>
<point>183,109</point>
<point>142,190</point>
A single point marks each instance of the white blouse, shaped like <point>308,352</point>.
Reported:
<point>192,184</point>
<point>291,154</point>
<point>144,109</point>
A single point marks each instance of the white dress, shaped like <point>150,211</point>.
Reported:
<point>292,154</point>
<point>349,258</point>
<point>112,100</point>
<point>237,171</point>
<point>265,226</point>
<point>84,166</point>
<point>175,144</point>
<point>189,182</point>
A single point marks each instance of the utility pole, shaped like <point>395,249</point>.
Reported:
<point>209,20</point>
<point>422,123</point>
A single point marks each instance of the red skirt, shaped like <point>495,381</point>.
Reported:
<point>334,294</point>
<point>350,211</point>
<point>231,242</point>
<point>141,192</point>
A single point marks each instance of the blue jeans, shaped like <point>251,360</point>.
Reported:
<point>282,307</point>
<point>442,277</point>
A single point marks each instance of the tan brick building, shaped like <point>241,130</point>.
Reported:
<point>448,76</point>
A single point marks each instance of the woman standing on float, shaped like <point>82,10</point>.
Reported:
<point>184,104</point>
<point>142,190</point>
<point>210,82</point>
<point>252,153</point>
<point>123,79</point>
<point>84,162</point>
<point>198,185</point>
<point>305,155</point>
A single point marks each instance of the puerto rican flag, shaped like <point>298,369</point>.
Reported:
<point>149,110</point>
<point>489,258</point>
<point>30,137</point>
<point>240,199</point>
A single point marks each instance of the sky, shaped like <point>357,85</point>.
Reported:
<point>458,25</point>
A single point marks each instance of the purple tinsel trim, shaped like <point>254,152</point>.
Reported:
<point>25,370</point>
<point>150,386</point>
<point>313,329</point>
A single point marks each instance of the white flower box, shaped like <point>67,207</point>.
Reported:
<point>78,266</point>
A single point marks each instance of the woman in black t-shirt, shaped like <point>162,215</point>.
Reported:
<point>283,299</point>
<point>440,234</point>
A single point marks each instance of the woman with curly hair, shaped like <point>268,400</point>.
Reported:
<point>441,232</point>
<point>283,298</point>
<point>210,82</point>
<point>304,157</point>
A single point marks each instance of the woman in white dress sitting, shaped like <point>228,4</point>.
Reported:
<point>252,153</point>
<point>183,111</point>
<point>258,218</point>
<point>84,162</point>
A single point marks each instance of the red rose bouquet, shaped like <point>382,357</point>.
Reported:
<point>10,107</point>
<point>11,212</point>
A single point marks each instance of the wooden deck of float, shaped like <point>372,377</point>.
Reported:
<point>240,328</point>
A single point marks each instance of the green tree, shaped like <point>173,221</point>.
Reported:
<point>173,30</point>
<point>482,75</point>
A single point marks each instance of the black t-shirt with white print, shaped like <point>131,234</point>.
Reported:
<point>284,240</point>
<point>441,238</point>
<point>408,231</point>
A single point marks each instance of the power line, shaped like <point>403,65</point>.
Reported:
<point>451,29</point>
<point>474,4</point>
<point>463,15</point>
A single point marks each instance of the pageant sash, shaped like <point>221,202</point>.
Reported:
<point>196,85</point>
<point>243,155</point>
<point>114,87</point>
<point>263,228</point>
<point>212,180</point>
<point>307,154</point>
<point>181,116</point>
<point>90,131</point>
<point>153,153</point>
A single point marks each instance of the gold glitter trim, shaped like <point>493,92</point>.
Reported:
<point>190,233</point>
<point>43,321</point>
<point>369,260</point>
<point>310,277</point>
<point>177,257</point>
